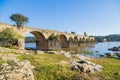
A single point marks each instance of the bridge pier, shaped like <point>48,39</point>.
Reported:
<point>42,45</point>
<point>21,44</point>
<point>54,45</point>
<point>73,44</point>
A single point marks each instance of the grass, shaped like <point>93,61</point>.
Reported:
<point>111,69</point>
<point>2,61</point>
<point>85,52</point>
<point>49,67</point>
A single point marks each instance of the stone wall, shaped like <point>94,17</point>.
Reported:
<point>73,44</point>
<point>53,45</point>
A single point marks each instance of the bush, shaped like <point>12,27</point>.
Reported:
<point>9,34</point>
<point>72,40</point>
<point>9,38</point>
<point>53,37</point>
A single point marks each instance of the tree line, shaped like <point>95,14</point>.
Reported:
<point>112,37</point>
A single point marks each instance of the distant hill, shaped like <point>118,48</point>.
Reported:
<point>111,37</point>
<point>30,39</point>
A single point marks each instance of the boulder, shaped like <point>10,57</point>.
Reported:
<point>85,66</point>
<point>13,69</point>
<point>101,55</point>
<point>115,48</point>
<point>117,54</point>
<point>109,54</point>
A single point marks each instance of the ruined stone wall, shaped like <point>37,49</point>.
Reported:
<point>73,44</point>
<point>54,45</point>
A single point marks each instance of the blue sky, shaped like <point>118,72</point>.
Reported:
<point>96,17</point>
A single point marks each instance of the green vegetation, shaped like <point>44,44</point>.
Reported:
<point>2,61</point>
<point>113,37</point>
<point>9,34</point>
<point>85,52</point>
<point>82,40</point>
<point>9,37</point>
<point>19,19</point>
<point>72,40</point>
<point>56,67</point>
<point>53,37</point>
<point>72,32</point>
<point>85,34</point>
<point>111,69</point>
<point>30,39</point>
<point>50,67</point>
<point>88,40</point>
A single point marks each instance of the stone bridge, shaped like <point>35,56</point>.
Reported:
<point>42,36</point>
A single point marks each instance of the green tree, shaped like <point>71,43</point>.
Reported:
<point>19,19</point>
<point>85,34</point>
<point>72,32</point>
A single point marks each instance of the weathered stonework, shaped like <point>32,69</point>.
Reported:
<point>43,35</point>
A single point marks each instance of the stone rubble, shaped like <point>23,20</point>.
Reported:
<point>85,66</point>
<point>13,69</point>
<point>66,54</point>
<point>81,57</point>
<point>15,51</point>
<point>82,65</point>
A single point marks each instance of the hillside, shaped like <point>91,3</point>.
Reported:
<point>111,37</point>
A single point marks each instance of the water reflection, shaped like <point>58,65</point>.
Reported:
<point>102,48</point>
<point>98,49</point>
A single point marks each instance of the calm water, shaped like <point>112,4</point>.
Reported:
<point>101,48</point>
<point>30,45</point>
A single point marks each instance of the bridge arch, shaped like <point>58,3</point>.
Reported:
<point>41,43</point>
<point>64,41</point>
<point>76,38</point>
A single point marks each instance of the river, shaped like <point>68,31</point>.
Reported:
<point>97,49</point>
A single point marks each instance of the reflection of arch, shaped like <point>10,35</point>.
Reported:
<point>64,42</point>
<point>76,38</point>
<point>41,42</point>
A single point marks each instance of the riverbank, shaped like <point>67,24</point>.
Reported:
<point>56,66</point>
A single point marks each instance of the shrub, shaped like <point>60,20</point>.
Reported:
<point>53,37</point>
<point>9,34</point>
<point>72,40</point>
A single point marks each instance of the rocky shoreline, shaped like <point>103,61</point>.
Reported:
<point>14,69</point>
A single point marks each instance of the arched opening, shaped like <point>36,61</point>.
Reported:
<point>30,41</point>
<point>64,42</point>
<point>39,40</point>
<point>76,38</point>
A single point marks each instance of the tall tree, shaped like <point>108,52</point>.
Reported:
<point>19,19</point>
<point>85,34</point>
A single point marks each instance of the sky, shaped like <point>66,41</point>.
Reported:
<point>95,17</point>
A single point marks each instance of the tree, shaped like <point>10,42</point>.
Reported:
<point>19,19</point>
<point>72,32</point>
<point>85,34</point>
